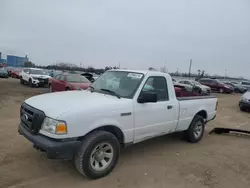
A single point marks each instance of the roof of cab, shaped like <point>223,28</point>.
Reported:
<point>141,71</point>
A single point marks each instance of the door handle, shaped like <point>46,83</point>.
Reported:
<point>170,107</point>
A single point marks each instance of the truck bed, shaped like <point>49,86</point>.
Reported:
<point>195,97</point>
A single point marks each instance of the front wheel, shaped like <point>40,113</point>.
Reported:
<point>196,130</point>
<point>21,80</point>
<point>221,90</point>
<point>50,88</point>
<point>30,83</point>
<point>98,154</point>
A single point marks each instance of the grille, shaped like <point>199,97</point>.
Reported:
<point>31,118</point>
<point>43,80</point>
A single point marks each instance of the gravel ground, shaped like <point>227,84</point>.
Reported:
<point>217,161</point>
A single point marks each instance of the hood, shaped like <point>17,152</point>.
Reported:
<point>40,76</point>
<point>55,104</point>
<point>247,95</point>
<point>79,85</point>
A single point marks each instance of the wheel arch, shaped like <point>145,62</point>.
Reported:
<point>202,113</point>
<point>116,131</point>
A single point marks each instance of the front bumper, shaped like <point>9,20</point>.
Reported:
<point>245,105</point>
<point>40,81</point>
<point>54,148</point>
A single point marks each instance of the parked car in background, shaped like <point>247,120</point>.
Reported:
<point>92,126</point>
<point>202,89</point>
<point>216,85</point>
<point>4,73</point>
<point>34,77</point>
<point>245,102</point>
<point>89,76</point>
<point>237,87</point>
<point>15,73</point>
<point>181,91</point>
<point>245,84</point>
<point>181,85</point>
<point>64,82</point>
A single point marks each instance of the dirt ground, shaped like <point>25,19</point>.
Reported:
<point>217,161</point>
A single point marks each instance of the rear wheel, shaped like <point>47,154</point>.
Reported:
<point>196,130</point>
<point>98,154</point>
<point>67,89</point>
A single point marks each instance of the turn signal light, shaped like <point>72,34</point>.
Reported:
<point>61,128</point>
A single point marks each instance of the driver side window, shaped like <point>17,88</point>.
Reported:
<point>158,85</point>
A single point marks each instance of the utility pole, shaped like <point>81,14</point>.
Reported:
<point>190,68</point>
<point>225,74</point>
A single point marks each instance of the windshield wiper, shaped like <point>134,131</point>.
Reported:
<point>111,92</point>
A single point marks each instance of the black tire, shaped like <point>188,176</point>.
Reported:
<point>221,90</point>
<point>30,83</point>
<point>67,89</point>
<point>50,88</point>
<point>190,133</point>
<point>89,143</point>
<point>21,81</point>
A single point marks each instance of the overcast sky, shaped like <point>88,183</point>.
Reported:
<point>137,33</point>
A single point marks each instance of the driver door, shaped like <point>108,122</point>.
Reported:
<point>154,119</point>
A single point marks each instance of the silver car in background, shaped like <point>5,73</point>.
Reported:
<point>245,84</point>
<point>245,102</point>
<point>196,85</point>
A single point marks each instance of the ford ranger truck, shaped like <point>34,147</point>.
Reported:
<point>120,108</point>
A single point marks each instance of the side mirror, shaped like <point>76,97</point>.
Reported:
<point>146,97</point>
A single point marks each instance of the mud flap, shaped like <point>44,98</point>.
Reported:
<point>228,130</point>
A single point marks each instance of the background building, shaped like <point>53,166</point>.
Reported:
<point>16,61</point>
<point>2,61</point>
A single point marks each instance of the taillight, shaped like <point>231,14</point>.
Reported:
<point>216,106</point>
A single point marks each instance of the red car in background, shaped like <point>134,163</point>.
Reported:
<point>15,73</point>
<point>216,85</point>
<point>65,82</point>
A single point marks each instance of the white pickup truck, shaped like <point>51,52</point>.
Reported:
<point>120,108</point>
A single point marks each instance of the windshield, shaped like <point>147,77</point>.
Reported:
<point>37,71</point>
<point>195,82</point>
<point>77,79</point>
<point>122,83</point>
<point>220,82</point>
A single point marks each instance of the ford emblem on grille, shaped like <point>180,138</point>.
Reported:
<point>25,117</point>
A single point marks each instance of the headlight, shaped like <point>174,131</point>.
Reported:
<point>244,98</point>
<point>35,78</point>
<point>54,126</point>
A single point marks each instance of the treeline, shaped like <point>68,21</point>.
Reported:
<point>73,67</point>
